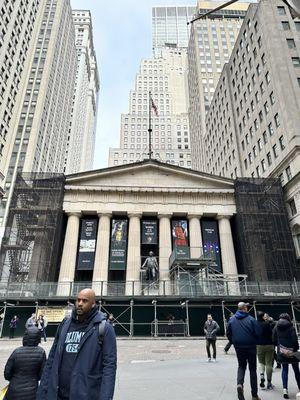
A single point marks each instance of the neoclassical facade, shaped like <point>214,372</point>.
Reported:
<point>132,201</point>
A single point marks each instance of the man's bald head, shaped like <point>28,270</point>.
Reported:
<point>85,302</point>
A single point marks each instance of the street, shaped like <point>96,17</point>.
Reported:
<point>172,368</point>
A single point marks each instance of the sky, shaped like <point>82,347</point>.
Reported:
<point>122,37</point>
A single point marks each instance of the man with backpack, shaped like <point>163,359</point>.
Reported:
<point>83,359</point>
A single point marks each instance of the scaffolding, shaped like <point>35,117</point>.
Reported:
<point>32,238</point>
<point>264,244</point>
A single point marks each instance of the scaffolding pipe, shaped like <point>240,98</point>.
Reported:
<point>254,308</point>
<point>131,319</point>
<point>187,318</point>
<point>224,318</point>
<point>154,302</point>
<point>294,317</point>
<point>2,323</point>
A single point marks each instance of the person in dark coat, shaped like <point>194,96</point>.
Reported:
<point>211,328</point>
<point>24,367</point>
<point>265,349</point>
<point>285,338</point>
<point>243,332</point>
<point>13,326</point>
<point>79,366</point>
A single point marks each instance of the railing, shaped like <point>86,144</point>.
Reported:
<point>190,289</point>
<point>168,328</point>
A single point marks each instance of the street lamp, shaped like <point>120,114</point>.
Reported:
<point>294,6</point>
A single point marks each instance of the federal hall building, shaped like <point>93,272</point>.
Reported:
<point>146,233</point>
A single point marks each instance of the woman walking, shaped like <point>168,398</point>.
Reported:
<point>285,337</point>
<point>265,349</point>
<point>24,367</point>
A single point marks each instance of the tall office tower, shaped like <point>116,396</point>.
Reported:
<point>165,77</point>
<point>169,26</point>
<point>39,131</point>
<point>17,21</point>
<point>253,123</point>
<point>82,131</point>
<point>211,42</point>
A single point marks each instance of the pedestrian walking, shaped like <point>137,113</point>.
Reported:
<point>285,338</point>
<point>31,321</point>
<point>82,361</point>
<point>228,344</point>
<point>211,328</point>
<point>243,332</point>
<point>13,326</point>
<point>265,349</point>
<point>24,367</point>
<point>42,324</point>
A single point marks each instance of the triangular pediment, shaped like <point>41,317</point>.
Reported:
<point>149,174</point>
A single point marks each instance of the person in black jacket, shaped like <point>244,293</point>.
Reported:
<point>80,366</point>
<point>211,328</point>
<point>265,349</point>
<point>285,337</point>
<point>24,367</point>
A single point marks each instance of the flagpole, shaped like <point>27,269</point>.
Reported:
<point>150,127</point>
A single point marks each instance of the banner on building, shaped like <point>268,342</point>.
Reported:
<point>54,314</point>
<point>211,244</point>
<point>118,244</point>
<point>87,244</point>
<point>149,232</point>
<point>180,238</point>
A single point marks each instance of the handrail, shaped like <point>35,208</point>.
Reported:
<point>187,288</point>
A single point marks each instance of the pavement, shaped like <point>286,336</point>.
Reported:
<point>172,369</point>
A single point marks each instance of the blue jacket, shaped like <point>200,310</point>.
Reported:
<point>243,330</point>
<point>94,373</point>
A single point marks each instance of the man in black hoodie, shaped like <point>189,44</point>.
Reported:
<point>243,332</point>
<point>81,366</point>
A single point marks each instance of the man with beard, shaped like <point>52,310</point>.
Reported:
<point>82,361</point>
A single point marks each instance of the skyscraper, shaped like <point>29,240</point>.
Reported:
<point>165,77</point>
<point>17,22</point>
<point>169,26</point>
<point>40,128</point>
<point>252,126</point>
<point>211,42</point>
<point>82,131</point>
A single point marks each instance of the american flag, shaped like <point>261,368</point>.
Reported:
<point>154,107</point>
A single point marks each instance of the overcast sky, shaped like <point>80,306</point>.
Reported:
<point>122,37</point>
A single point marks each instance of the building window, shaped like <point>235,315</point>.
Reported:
<point>285,25</point>
<point>291,43</point>
<point>265,137</point>
<point>288,173</point>
<point>263,165</point>
<point>296,62</point>
<point>281,10</point>
<point>297,25</point>
<point>259,143</point>
<point>268,79</point>
<point>271,129</point>
<point>293,207</point>
<point>281,141</point>
<point>275,152</point>
<point>269,158</point>
<point>266,107</point>
<point>272,98</point>
<point>277,122</point>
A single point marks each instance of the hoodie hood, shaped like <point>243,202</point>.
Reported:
<point>241,314</point>
<point>32,337</point>
<point>283,324</point>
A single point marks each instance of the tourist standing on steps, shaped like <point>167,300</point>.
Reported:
<point>243,332</point>
<point>285,338</point>
<point>211,328</point>
<point>265,349</point>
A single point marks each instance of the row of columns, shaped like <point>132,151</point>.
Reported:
<point>100,272</point>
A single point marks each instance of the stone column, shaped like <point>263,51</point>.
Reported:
<point>165,250</point>
<point>133,255</point>
<point>227,252</point>
<point>100,273</point>
<point>68,261</point>
<point>196,245</point>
